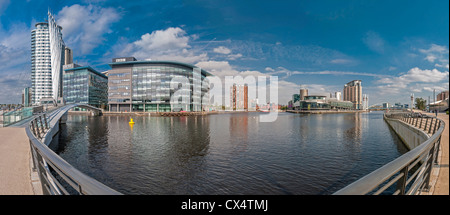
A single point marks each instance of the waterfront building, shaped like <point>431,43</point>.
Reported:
<point>295,98</point>
<point>47,59</point>
<point>145,86</point>
<point>353,93</point>
<point>365,102</point>
<point>442,95</point>
<point>338,96</point>
<point>303,93</point>
<point>239,97</point>
<point>83,84</point>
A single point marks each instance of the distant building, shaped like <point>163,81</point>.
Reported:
<point>68,56</point>
<point>26,97</point>
<point>353,93</point>
<point>239,97</point>
<point>85,85</point>
<point>338,96</point>
<point>442,96</point>
<point>303,93</point>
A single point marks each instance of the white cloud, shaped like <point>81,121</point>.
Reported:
<point>84,27</point>
<point>436,52</point>
<point>169,39</point>
<point>222,50</point>
<point>374,42</point>
<point>168,44</point>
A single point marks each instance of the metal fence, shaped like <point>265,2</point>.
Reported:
<point>410,173</point>
<point>56,175</point>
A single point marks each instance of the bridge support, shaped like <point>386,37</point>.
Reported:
<point>63,119</point>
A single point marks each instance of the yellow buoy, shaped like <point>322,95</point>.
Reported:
<point>131,121</point>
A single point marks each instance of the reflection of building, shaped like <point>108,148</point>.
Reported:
<point>239,97</point>
<point>146,86</point>
<point>85,85</point>
<point>47,58</point>
<point>353,93</point>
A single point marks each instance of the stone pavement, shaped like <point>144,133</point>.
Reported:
<point>15,157</point>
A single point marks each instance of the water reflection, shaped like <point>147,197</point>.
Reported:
<point>229,153</point>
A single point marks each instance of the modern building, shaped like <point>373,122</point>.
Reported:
<point>85,85</point>
<point>239,97</point>
<point>353,93</point>
<point>26,97</point>
<point>68,56</point>
<point>442,95</point>
<point>295,98</point>
<point>303,93</point>
<point>47,59</point>
<point>338,96</point>
<point>156,86</point>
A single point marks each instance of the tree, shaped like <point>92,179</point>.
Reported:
<point>421,104</point>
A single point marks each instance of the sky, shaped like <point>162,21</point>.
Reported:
<point>394,47</point>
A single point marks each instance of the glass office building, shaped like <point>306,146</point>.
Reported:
<point>85,85</point>
<point>156,86</point>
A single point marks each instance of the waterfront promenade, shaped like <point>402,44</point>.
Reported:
<point>15,155</point>
<point>441,181</point>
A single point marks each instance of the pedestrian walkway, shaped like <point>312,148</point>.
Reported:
<point>15,155</point>
<point>440,181</point>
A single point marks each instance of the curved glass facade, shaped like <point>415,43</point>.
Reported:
<point>155,86</point>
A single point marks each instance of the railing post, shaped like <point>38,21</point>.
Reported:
<point>45,120</point>
<point>401,183</point>
<point>420,124</point>
<point>435,125</point>
<point>430,167</point>
<point>38,133</point>
<point>426,124</point>
<point>431,124</point>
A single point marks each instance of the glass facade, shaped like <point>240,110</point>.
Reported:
<point>85,85</point>
<point>156,87</point>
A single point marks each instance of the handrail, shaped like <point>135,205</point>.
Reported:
<point>402,171</point>
<point>53,171</point>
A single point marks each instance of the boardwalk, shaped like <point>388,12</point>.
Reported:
<point>15,171</point>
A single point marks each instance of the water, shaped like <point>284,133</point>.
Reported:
<point>230,153</point>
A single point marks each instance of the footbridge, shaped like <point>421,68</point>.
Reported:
<point>58,177</point>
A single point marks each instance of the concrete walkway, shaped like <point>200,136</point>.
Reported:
<point>440,180</point>
<point>15,155</point>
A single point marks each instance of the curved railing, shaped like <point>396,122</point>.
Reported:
<point>411,172</point>
<point>56,175</point>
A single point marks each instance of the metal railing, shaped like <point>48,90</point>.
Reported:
<point>58,177</point>
<point>410,173</point>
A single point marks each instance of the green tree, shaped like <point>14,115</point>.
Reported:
<point>421,104</point>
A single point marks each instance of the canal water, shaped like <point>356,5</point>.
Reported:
<point>229,153</point>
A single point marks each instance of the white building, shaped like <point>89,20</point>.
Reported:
<point>47,59</point>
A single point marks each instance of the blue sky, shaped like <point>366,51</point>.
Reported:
<point>395,47</point>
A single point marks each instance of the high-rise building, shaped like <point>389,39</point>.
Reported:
<point>47,59</point>
<point>26,97</point>
<point>353,93</point>
<point>68,56</point>
<point>239,97</point>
